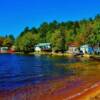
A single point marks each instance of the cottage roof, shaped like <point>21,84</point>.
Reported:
<point>43,44</point>
<point>85,46</point>
<point>73,44</point>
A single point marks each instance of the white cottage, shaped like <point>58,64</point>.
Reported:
<point>43,47</point>
<point>73,48</point>
<point>86,49</point>
<point>97,49</point>
<point>4,49</point>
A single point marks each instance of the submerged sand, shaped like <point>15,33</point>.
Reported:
<point>84,85</point>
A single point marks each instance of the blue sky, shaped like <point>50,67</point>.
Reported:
<point>17,14</point>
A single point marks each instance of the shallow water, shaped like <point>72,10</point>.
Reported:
<point>20,70</point>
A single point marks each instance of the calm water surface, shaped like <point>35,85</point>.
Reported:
<point>20,70</point>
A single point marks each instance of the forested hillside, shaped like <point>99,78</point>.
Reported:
<point>59,34</point>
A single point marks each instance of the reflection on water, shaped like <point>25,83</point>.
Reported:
<point>18,70</point>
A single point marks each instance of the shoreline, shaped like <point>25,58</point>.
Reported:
<point>92,57</point>
<point>56,54</point>
<point>60,92</point>
<point>92,93</point>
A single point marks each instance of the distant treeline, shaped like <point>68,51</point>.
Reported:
<point>59,34</point>
<point>7,41</point>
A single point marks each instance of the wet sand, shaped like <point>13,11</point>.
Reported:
<point>54,90</point>
<point>92,93</point>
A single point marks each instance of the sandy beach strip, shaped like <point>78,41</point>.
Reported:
<point>91,93</point>
<point>37,93</point>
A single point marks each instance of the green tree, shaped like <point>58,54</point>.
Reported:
<point>26,43</point>
<point>43,29</point>
<point>1,41</point>
<point>94,38</point>
<point>8,42</point>
<point>58,41</point>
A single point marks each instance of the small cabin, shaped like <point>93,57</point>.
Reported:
<point>43,47</point>
<point>4,49</point>
<point>86,49</point>
<point>73,48</point>
<point>97,49</point>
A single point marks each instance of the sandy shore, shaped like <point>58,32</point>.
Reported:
<point>91,93</point>
<point>59,89</point>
